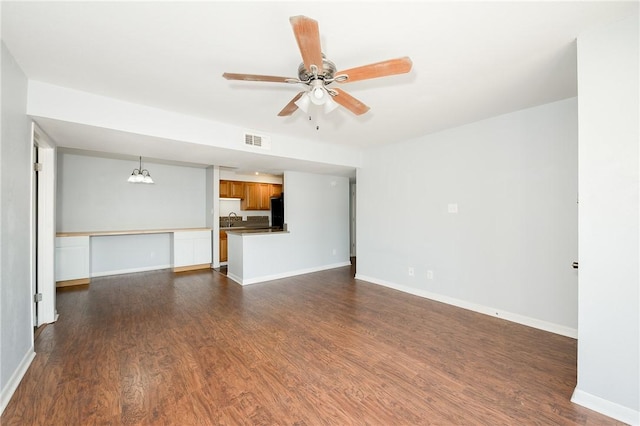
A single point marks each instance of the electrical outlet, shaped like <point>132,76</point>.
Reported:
<point>333,252</point>
<point>412,272</point>
<point>429,274</point>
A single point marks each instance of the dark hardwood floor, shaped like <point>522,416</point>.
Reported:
<point>319,349</point>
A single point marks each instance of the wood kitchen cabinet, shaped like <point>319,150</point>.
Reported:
<point>231,189</point>
<point>254,195</point>
<point>276,189</point>
<point>223,246</point>
<point>257,196</point>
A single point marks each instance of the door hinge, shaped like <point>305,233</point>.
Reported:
<point>37,167</point>
<point>37,297</point>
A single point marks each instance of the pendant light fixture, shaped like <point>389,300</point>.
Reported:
<point>140,175</point>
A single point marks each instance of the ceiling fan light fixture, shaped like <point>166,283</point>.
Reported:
<point>317,93</point>
<point>317,72</point>
<point>303,102</point>
<point>330,105</point>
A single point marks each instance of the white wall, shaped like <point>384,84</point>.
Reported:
<point>16,335</point>
<point>317,215</point>
<point>122,254</point>
<point>609,300</point>
<point>244,177</point>
<point>316,211</point>
<point>60,103</point>
<point>508,251</point>
<point>93,195</point>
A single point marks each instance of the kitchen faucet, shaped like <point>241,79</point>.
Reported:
<point>229,218</point>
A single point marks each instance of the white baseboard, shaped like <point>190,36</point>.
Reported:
<point>235,278</point>
<point>287,274</point>
<point>130,271</point>
<point>16,377</point>
<point>608,408</point>
<point>487,310</point>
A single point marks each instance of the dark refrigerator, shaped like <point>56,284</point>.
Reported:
<point>277,211</point>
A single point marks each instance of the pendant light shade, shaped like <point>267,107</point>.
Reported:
<point>140,175</point>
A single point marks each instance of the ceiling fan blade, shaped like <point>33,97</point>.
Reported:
<point>308,38</point>
<point>349,102</point>
<point>255,77</point>
<point>291,107</point>
<point>379,69</point>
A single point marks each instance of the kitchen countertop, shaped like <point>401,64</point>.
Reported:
<point>128,232</point>
<point>253,231</point>
<point>242,228</point>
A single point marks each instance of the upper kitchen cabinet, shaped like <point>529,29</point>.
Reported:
<point>231,189</point>
<point>257,196</point>
<point>276,189</point>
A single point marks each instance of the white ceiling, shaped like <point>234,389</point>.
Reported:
<point>471,60</point>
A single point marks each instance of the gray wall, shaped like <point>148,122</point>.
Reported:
<point>16,336</point>
<point>509,248</point>
<point>93,195</point>
<point>317,214</point>
<point>609,331</point>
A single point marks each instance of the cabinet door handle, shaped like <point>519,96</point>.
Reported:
<point>575,265</point>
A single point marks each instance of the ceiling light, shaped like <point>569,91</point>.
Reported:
<point>303,102</point>
<point>330,105</point>
<point>318,93</point>
<point>140,175</point>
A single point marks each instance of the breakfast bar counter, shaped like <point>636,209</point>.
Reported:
<point>256,255</point>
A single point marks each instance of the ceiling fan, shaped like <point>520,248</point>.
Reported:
<point>317,73</point>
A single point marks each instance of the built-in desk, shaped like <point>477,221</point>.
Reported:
<point>186,249</point>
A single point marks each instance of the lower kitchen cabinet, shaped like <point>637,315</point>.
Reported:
<point>223,246</point>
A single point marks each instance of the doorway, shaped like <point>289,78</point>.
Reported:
<point>43,283</point>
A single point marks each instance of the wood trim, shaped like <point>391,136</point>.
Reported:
<point>191,267</point>
<point>69,283</point>
<point>131,232</point>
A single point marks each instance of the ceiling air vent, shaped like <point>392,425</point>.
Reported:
<point>257,141</point>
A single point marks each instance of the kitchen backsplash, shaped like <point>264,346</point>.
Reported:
<point>227,206</point>
<point>251,220</point>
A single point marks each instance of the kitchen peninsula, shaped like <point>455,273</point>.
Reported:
<point>253,253</point>
<point>316,235</point>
